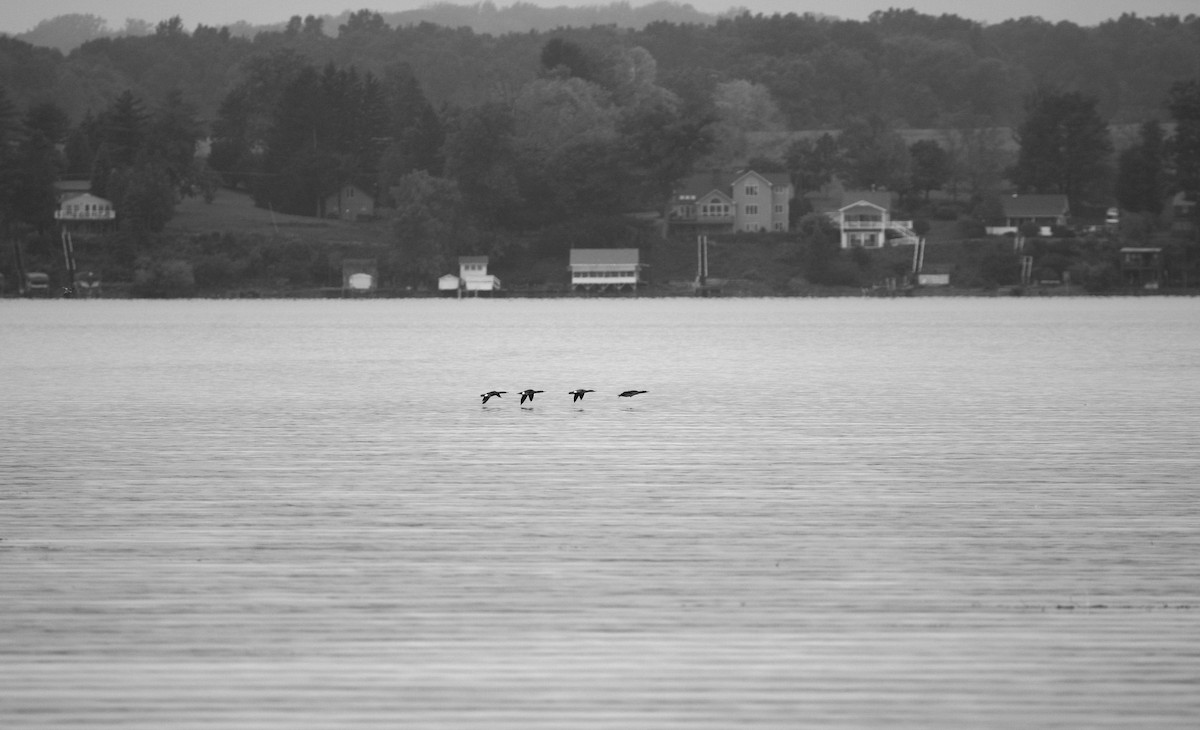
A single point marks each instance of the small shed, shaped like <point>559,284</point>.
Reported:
<point>1142,266</point>
<point>359,276</point>
<point>449,282</point>
<point>934,275</point>
<point>605,268</point>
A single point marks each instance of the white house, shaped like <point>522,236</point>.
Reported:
<point>865,220</point>
<point>84,207</point>
<point>599,269</point>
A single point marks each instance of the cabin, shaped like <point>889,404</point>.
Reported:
<point>474,276</point>
<point>1047,212</point>
<point>728,202</point>
<point>85,213</point>
<point>1142,266</point>
<point>605,269</point>
<point>349,203</point>
<point>865,221</point>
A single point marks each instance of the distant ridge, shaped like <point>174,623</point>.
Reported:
<point>69,31</point>
<point>521,17</point>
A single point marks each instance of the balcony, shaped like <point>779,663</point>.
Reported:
<point>875,225</point>
<point>85,215</point>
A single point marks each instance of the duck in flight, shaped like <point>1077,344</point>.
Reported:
<point>529,393</point>
<point>579,393</point>
<point>631,393</point>
<point>492,394</point>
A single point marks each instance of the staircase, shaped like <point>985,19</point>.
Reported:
<point>907,235</point>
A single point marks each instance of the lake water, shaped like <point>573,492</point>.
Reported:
<point>912,513</point>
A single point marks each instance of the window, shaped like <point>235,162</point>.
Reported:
<point>751,210</point>
<point>778,209</point>
<point>751,190</point>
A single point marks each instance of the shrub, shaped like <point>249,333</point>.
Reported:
<point>214,271</point>
<point>163,279</point>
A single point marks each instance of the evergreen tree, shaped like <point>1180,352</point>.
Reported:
<point>1141,184</point>
<point>171,139</point>
<point>1064,147</point>
<point>415,131</point>
<point>9,178</point>
<point>1184,105</point>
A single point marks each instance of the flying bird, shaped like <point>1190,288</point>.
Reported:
<point>579,393</point>
<point>529,393</point>
<point>631,393</point>
<point>492,394</point>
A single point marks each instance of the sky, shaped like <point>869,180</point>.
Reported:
<point>19,16</point>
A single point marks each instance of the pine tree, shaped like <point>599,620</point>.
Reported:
<point>1064,147</point>
<point>1141,172</point>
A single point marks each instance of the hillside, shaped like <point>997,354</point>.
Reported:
<point>233,248</point>
<point>234,213</point>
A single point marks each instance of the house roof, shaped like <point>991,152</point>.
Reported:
<point>878,198</point>
<point>1034,206</point>
<point>72,187</point>
<point>84,199</point>
<point>463,260</point>
<point>609,256</point>
<point>722,181</point>
<point>772,178</point>
<point>702,184</point>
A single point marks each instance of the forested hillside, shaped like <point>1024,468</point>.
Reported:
<point>917,70</point>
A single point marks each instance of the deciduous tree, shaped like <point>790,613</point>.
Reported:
<point>812,163</point>
<point>930,166</point>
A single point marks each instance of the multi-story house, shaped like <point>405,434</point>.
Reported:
<point>722,202</point>
<point>865,221</point>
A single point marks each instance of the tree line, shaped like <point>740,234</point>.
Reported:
<point>912,69</point>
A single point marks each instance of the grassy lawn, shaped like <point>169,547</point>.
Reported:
<point>234,212</point>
